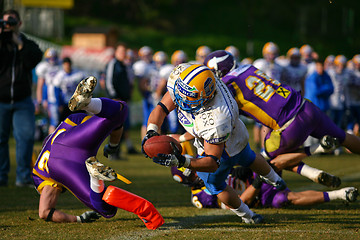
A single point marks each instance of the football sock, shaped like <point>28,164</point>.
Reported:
<point>316,149</point>
<point>96,185</point>
<point>307,171</point>
<point>243,211</point>
<point>272,176</point>
<point>336,194</point>
<point>113,145</point>
<point>94,106</point>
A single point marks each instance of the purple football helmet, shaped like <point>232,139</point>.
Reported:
<point>220,62</point>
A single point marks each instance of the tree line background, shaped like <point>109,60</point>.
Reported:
<point>330,26</point>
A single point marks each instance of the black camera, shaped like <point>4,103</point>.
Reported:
<point>11,22</point>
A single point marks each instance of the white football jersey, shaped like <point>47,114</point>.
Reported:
<point>273,70</point>
<point>217,122</point>
<point>293,76</point>
<point>41,69</point>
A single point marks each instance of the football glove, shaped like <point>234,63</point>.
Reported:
<point>257,182</point>
<point>89,216</point>
<point>174,159</point>
<point>149,134</point>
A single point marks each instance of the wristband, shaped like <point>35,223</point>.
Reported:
<point>187,162</point>
<point>182,138</point>
<point>152,126</point>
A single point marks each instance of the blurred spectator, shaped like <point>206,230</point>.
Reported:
<point>235,52</point>
<point>246,61</point>
<point>143,69</point>
<point>318,87</point>
<point>178,57</point>
<point>353,96</point>
<point>67,79</point>
<point>294,72</point>
<point>48,96</point>
<point>340,77</point>
<point>329,62</point>
<point>268,65</point>
<point>119,86</point>
<point>200,54</point>
<point>18,57</point>
<point>307,58</point>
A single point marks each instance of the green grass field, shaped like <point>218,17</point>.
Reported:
<point>336,220</point>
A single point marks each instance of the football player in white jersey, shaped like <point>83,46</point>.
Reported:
<point>307,58</point>
<point>142,70</point>
<point>235,52</point>
<point>179,56</point>
<point>47,94</point>
<point>353,95</point>
<point>271,68</point>
<point>207,111</point>
<point>294,72</point>
<point>200,55</point>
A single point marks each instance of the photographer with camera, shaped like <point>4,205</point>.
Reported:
<point>18,56</point>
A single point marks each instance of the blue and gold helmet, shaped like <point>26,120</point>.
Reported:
<point>194,86</point>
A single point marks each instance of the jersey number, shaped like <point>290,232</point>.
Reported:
<point>43,162</point>
<point>260,89</point>
<point>196,202</point>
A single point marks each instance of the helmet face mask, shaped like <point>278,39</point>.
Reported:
<point>194,87</point>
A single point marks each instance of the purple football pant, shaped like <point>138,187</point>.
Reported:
<point>271,197</point>
<point>71,148</point>
<point>310,121</point>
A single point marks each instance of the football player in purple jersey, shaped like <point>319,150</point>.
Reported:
<point>291,118</point>
<point>67,161</point>
<point>256,193</point>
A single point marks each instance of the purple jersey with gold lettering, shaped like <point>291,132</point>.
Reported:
<point>262,98</point>
<point>61,162</point>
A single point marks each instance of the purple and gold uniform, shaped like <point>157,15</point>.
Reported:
<point>61,163</point>
<point>269,196</point>
<point>279,107</point>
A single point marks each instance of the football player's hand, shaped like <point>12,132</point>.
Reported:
<point>108,150</point>
<point>89,216</point>
<point>149,134</point>
<point>257,182</point>
<point>174,159</point>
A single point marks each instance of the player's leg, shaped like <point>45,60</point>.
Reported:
<point>98,174</point>
<point>215,183</point>
<point>310,197</point>
<point>352,143</point>
<point>48,200</point>
<point>258,164</point>
<point>109,115</point>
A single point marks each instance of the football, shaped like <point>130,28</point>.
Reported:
<point>160,144</point>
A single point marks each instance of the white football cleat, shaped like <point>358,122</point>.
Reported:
<point>351,194</point>
<point>83,93</point>
<point>256,219</point>
<point>99,171</point>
